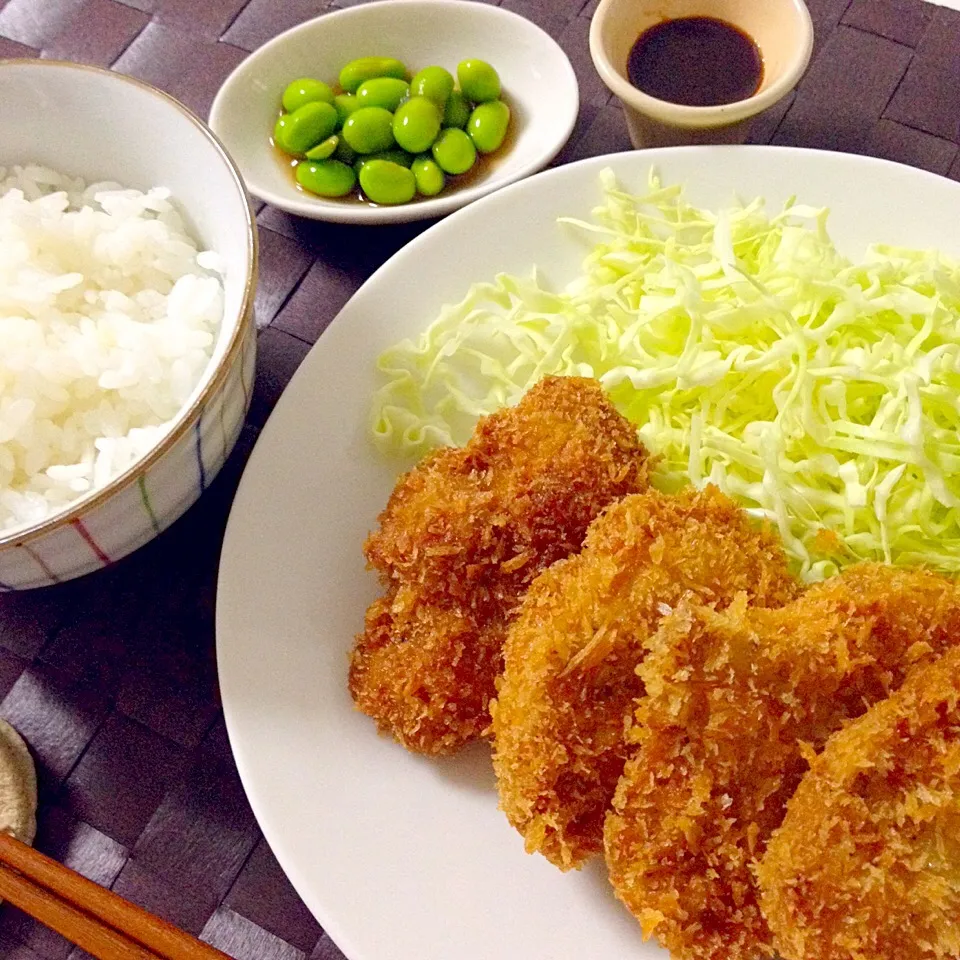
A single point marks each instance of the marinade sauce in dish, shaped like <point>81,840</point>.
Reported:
<point>695,62</point>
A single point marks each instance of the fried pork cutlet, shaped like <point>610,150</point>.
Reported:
<point>867,862</point>
<point>736,702</point>
<point>463,536</point>
<point>567,694</point>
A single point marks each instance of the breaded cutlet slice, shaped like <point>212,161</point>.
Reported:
<point>463,536</point>
<point>736,702</point>
<point>866,864</point>
<point>567,694</point>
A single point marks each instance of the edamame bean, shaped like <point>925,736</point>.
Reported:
<point>457,111</point>
<point>326,178</point>
<point>346,103</point>
<point>306,90</point>
<point>488,125</point>
<point>324,149</point>
<point>416,124</point>
<point>429,176</point>
<point>434,83</point>
<point>345,153</point>
<point>372,131</point>
<point>386,182</point>
<point>369,129</point>
<point>366,68</point>
<point>479,82</point>
<point>297,132</point>
<point>454,151</point>
<point>386,92</point>
<point>394,156</point>
<point>280,129</point>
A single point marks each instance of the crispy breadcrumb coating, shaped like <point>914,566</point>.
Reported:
<point>463,536</point>
<point>732,698</point>
<point>567,694</point>
<point>866,865</point>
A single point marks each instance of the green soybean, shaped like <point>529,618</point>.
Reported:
<point>306,90</point>
<point>367,68</point>
<point>346,103</point>
<point>297,132</point>
<point>369,129</point>
<point>416,124</point>
<point>457,111</point>
<point>326,178</point>
<point>454,151</point>
<point>429,177</point>
<point>280,129</point>
<point>488,125</point>
<point>401,157</point>
<point>386,92</point>
<point>394,156</point>
<point>345,153</point>
<point>386,182</point>
<point>434,83</point>
<point>479,82</point>
<point>324,149</point>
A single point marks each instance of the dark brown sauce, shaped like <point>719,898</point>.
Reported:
<point>485,165</point>
<point>696,62</point>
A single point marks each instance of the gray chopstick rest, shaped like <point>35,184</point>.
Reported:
<point>18,786</point>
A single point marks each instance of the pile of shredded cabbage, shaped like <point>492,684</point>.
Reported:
<point>819,393</point>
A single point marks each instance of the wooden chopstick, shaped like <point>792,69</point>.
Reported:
<point>95,919</point>
<point>78,927</point>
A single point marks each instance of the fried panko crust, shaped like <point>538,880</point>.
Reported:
<point>567,694</point>
<point>867,862</point>
<point>463,536</point>
<point>736,701</point>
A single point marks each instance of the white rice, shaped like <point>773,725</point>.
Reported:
<point>108,317</point>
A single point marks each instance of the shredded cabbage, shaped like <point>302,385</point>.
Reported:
<point>821,394</point>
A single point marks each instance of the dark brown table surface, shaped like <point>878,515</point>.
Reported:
<point>112,679</point>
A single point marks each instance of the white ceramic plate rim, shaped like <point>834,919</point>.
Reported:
<point>424,209</point>
<point>268,700</point>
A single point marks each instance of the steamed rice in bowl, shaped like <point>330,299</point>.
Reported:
<point>109,314</point>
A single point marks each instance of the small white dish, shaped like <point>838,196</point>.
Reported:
<point>782,29</point>
<point>538,83</point>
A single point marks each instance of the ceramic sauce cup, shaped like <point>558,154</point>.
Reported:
<point>781,29</point>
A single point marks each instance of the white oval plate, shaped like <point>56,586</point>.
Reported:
<point>538,83</point>
<point>399,857</point>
